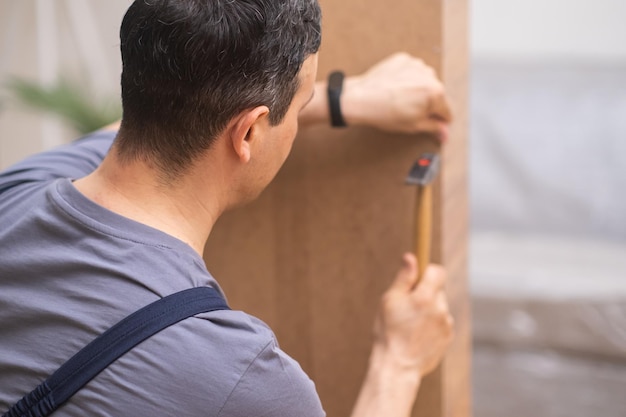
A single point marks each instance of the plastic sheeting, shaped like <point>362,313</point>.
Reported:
<point>548,247</point>
<point>548,148</point>
<point>549,326</point>
<point>518,383</point>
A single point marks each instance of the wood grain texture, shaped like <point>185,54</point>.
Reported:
<point>313,255</point>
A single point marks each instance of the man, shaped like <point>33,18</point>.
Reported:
<point>212,92</point>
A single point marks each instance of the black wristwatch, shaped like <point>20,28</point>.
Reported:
<point>335,87</point>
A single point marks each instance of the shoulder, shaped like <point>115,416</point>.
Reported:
<point>223,363</point>
<point>274,385</point>
<point>73,160</point>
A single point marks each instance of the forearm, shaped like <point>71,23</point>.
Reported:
<point>317,111</point>
<point>389,388</point>
<point>113,127</point>
<point>74,160</point>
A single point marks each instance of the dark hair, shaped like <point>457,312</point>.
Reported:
<point>190,66</point>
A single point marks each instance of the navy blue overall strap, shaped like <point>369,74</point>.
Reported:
<point>110,345</point>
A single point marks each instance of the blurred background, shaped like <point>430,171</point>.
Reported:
<point>547,177</point>
<point>548,201</point>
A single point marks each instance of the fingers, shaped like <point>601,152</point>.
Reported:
<point>436,114</point>
<point>431,289</point>
<point>115,126</point>
<point>435,127</point>
<point>439,106</point>
<point>406,278</point>
<point>399,94</point>
<point>430,286</point>
<point>441,306</point>
<point>435,287</point>
<point>432,283</point>
<point>441,302</point>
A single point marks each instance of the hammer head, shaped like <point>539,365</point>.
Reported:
<point>424,170</point>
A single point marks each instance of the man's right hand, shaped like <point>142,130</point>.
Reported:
<point>414,324</point>
<point>413,330</point>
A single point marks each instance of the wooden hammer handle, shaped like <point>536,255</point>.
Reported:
<point>424,225</point>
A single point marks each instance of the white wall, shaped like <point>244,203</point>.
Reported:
<point>549,29</point>
<point>23,132</point>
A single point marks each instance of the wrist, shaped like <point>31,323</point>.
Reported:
<point>390,387</point>
<point>388,363</point>
<point>353,102</point>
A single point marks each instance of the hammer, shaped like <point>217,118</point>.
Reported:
<point>422,174</point>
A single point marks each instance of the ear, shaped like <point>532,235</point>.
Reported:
<point>247,129</point>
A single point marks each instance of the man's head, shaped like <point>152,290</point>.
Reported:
<point>191,66</point>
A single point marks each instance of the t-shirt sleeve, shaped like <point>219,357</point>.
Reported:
<point>74,160</point>
<point>274,385</point>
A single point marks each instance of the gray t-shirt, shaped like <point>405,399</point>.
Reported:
<point>70,269</point>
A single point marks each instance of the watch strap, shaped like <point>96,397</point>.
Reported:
<point>335,88</point>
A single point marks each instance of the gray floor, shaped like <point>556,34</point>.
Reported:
<point>549,326</point>
<point>521,383</point>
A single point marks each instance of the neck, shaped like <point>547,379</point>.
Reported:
<point>186,210</point>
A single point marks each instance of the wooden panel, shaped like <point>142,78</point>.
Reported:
<point>313,255</point>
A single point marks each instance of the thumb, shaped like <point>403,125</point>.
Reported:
<point>406,278</point>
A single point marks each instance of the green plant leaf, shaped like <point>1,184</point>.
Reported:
<point>68,101</point>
